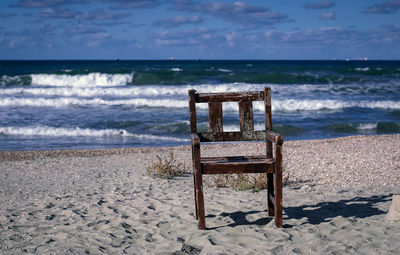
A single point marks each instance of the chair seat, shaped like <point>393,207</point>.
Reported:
<point>237,165</point>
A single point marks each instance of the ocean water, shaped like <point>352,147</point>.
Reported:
<point>105,104</point>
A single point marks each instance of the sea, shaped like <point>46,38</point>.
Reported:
<point>48,105</point>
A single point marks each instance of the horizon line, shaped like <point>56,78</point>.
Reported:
<point>207,59</point>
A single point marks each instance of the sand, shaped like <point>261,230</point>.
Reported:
<point>101,202</point>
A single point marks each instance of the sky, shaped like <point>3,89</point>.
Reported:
<point>186,29</point>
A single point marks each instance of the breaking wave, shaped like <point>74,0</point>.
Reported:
<point>277,105</point>
<point>181,91</point>
<point>74,132</point>
<point>68,80</point>
<point>81,80</point>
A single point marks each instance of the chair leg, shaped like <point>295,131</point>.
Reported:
<point>200,200</point>
<point>195,195</point>
<point>278,196</point>
<point>270,194</point>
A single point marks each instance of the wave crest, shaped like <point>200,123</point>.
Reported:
<point>75,132</point>
<point>81,80</point>
<point>277,105</point>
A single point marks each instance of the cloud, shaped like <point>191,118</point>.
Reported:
<point>115,4</point>
<point>98,14</point>
<point>236,12</point>
<point>319,36</point>
<point>326,42</point>
<point>43,3</point>
<point>327,16</point>
<point>334,39</point>
<point>190,37</point>
<point>7,15</point>
<point>388,7</point>
<point>319,5</point>
<point>83,29</point>
<point>58,13</point>
<point>47,30</point>
<point>178,21</point>
<point>133,4</point>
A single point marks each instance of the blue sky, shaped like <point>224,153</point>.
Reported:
<point>186,29</point>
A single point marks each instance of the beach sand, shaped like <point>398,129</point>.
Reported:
<point>101,202</point>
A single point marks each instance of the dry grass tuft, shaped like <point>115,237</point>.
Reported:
<point>167,167</point>
<point>240,182</point>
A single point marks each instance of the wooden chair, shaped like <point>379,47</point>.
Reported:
<point>270,163</point>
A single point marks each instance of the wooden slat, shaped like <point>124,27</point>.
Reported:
<point>238,159</point>
<point>246,116</point>
<point>215,116</point>
<point>236,168</point>
<point>274,137</point>
<point>229,96</point>
<point>237,165</point>
<point>231,136</point>
<point>268,118</point>
<point>192,111</point>
<point>267,103</point>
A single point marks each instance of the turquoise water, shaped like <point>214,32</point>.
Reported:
<point>105,104</point>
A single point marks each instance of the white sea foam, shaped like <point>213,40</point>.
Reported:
<point>308,105</point>
<point>163,138</point>
<point>314,105</point>
<point>66,101</point>
<point>176,69</point>
<point>277,105</point>
<point>81,80</point>
<point>73,132</point>
<point>181,91</point>
<point>127,91</point>
<point>363,69</point>
<point>6,80</point>
<point>367,126</point>
<point>225,70</point>
<point>57,131</point>
<point>236,127</point>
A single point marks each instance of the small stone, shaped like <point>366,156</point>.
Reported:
<point>305,188</point>
<point>394,211</point>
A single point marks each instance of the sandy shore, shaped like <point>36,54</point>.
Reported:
<point>100,202</point>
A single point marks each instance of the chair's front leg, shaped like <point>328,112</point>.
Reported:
<point>200,199</point>
<point>198,182</point>
<point>270,194</point>
<point>278,185</point>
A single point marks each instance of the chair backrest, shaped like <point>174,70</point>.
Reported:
<point>245,101</point>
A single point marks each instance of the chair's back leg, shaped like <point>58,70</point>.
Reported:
<point>278,186</point>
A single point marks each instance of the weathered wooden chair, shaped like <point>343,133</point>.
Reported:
<point>270,163</point>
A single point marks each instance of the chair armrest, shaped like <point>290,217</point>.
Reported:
<point>194,139</point>
<point>195,144</point>
<point>274,137</point>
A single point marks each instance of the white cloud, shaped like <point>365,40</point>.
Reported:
<point>327,16</point>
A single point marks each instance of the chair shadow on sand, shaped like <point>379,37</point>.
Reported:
<point>357,207</point>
